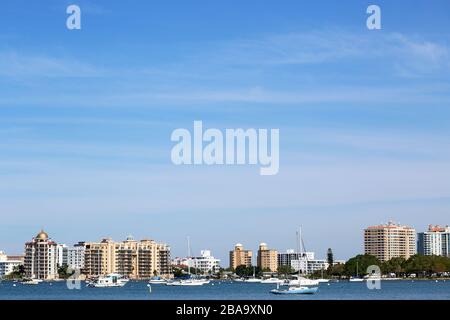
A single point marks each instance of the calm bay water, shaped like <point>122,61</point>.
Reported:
<point>401,290</point>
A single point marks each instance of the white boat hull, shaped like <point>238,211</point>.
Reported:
<point>272,281</point>
<point>296,290</point>
<point>187,283</point>
<point>253,280</point>
<point>356,280</point>
<point>109,281</point>
<point>157,281</point>
<point>303,282</point>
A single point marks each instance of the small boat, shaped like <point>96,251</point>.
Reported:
<point>303,282</point>
<point>253,279</point>
<point>357,278</point>
<point>374,277</point>
<point>157,280</point>
<point>31,281</point>
<point>272,281</point>
<point>188,282</point>
<point>191,280</point>
<point>110,280</point>
<point>323,280</point>
<point>300,281</point>
<point>296,290</point>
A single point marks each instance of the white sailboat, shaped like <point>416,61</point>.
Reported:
<point>300,280</point>
<point>357,278</point>
<point>322,279</point>
<point>190,281</point>
<point>295,290</point>
<point>272,281</point>
<point>253,279</point>
<point>300,285</point>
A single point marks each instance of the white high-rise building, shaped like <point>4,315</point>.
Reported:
<point>435,241</point>
<point>75,256</point>
<point>62,252</point>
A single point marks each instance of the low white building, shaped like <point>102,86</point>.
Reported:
<point>307,266</point>
<point>7,264</point>
<point>75,256</point>
<point>205,263</point>
<point>285,258</point>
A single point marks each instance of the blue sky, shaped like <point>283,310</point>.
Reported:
<point>86,118</point>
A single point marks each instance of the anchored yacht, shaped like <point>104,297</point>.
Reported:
<point>110,280</point>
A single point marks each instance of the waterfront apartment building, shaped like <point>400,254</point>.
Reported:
<point>267,259</point>
<point>75,256</point>
<point>41,258</point>
<point>61,252</point>
<point>307,266</point>
<point>390,240</point>
<point>206,263</point>
<point>239,257</point>
<point>304,262</point>
<point>285,258</point>
<point>435,241</point>
<point>8,263</point>
<point>134,259</point>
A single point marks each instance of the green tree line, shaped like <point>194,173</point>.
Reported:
<point>418,264</point>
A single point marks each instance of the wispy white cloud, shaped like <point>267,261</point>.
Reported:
<point>175,97</point>
<point>410,52</point>
<point>18,65</point>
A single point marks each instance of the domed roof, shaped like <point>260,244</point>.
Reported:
<point>238,245</point>
<point>42,235</point>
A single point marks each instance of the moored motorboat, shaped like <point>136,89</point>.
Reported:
<point>303,282</point>
<point>253,280</point>
<point>31,281</point>
<point>188,282</point>
<point>272,281</point>
<point>157,280</point>
<point>110,280</point>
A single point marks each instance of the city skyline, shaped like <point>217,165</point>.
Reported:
<point>224,257</point>
<point>86,118</point>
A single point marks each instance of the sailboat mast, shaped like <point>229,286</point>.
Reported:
<point>189,255</point>
<point>299,255</point>
<point>357,268</point>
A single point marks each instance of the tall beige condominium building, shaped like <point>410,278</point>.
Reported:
<point>239,257</point>
<point>134,259</point>
<point>41,258</point>
<point>267,258</point>
<point>389,241</point>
